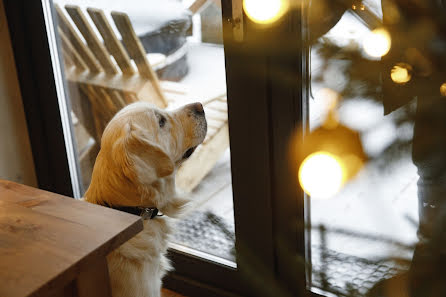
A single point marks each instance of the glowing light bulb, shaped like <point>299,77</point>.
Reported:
<point>321,175</point>
<point>443,89</point>
<point>265,11</point>
<point>401,73</point>
<point>377,43</point>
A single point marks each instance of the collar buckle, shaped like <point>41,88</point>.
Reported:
<point>148,213</point>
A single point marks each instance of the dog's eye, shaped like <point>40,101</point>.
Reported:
<point>162,121</point>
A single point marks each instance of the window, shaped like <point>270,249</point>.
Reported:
<point>258,124</point>
<point>183,49</point>
<point>374,122</point>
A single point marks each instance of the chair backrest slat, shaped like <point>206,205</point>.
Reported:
<point>92,40</point>
<point>136,50</point>
<point>67,60</point>
<point>111,42</point>
<point>108,101</point>
<point>71,52</point>
<point>83,51</point>
<point>116,97</point>
<point>197,5</point>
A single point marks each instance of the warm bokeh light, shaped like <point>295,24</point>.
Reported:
<point>443,89</point>
<point>401,73</point>
<point>352,164</point>
<point>331,97</point>
<point>321,175</point>
<point>377,43</point>
<point>265,11</point>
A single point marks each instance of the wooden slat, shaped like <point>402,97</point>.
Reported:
<point>111,42</point>
<point>201,162</point>
<point>98,95</point>
<point>211,131</point>
<point>198,5</point>
<point>220,97</point>
<point>215,115</point>
<point>69,51</point>
<point>67,60</point>
<point>77,43</point>
<point>135,84</point>
<point>216,124</point>
<point>98,124</point>
<point>219,106</point>
<point>136,50</point>
<point>237,16</point>
<point>101,113</point>
<point>92,40</point>
<point>117,98</point>
<point>130,97</point>
<point>108,102</point>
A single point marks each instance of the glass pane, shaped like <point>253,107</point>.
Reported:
<point>375,154</point>
<point>168,53</point>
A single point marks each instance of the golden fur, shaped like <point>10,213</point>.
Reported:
<point>136,167</point>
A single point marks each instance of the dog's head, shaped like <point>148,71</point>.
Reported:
<point>143,145</point>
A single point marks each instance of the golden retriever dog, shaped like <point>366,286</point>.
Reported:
<point>141,148</point>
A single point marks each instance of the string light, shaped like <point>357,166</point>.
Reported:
<point>377,43</point>
<point>401,73</point>
<point>265,11</point>
<point>321,175</point>
<point>443,89</point>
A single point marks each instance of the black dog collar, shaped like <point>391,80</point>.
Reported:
<point>146,213</point>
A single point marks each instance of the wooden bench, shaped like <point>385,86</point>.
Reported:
<point>112,72</point>
<point>51,245</point>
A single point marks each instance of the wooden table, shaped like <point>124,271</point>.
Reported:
<point>51,245</point>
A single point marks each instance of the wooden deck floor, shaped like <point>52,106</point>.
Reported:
<point>214,193</point>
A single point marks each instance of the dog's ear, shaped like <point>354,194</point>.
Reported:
<point>146,158</point>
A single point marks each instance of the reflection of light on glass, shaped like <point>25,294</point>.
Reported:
<point>321,175</point>
<point>331,120</point>
<point>330,96</point>
<point>352,165</point>
<point>265,11</point>
<point>377,43</point>
<point>401,73</point>
<point>443,89</point>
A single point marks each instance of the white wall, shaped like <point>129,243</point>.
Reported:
<point>16,162</point>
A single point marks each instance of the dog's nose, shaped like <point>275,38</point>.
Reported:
<point>197,108</point>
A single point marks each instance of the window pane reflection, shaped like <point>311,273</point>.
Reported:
<point>382,233</point>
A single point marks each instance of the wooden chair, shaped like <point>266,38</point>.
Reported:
<point>111,73</point>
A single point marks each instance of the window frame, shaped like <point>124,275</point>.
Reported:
<point>263,114</point>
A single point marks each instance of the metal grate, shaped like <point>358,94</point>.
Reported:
<point>207,232</point>
<point>333,272</point>
<point>346,275</point>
